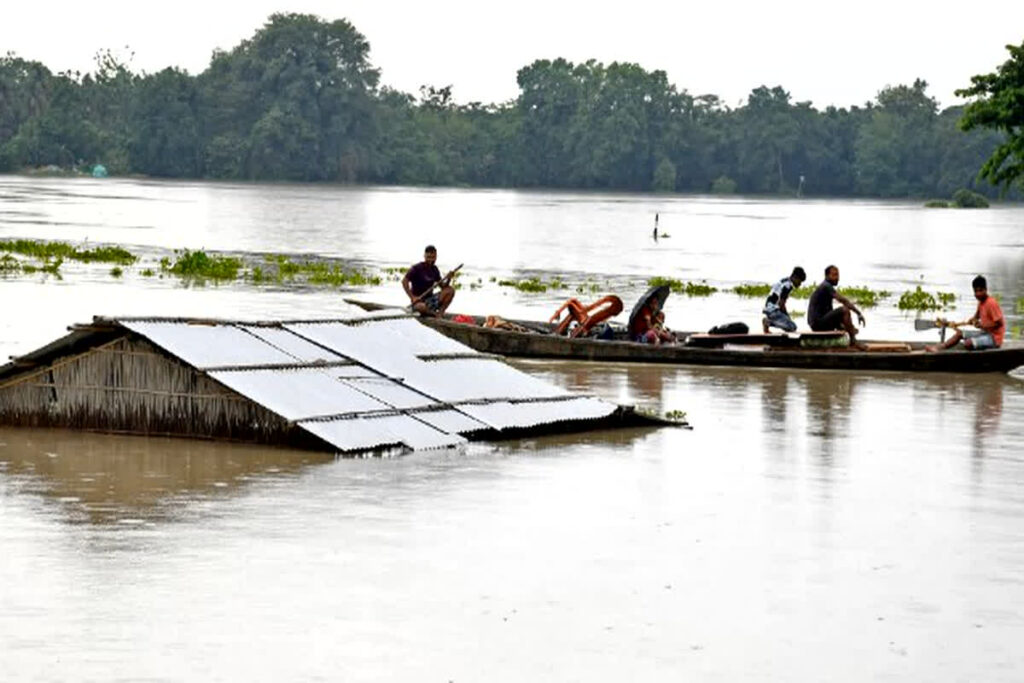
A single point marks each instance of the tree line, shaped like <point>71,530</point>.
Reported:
<point>301,101</point>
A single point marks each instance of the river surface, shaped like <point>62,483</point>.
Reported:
<point>812,526</point>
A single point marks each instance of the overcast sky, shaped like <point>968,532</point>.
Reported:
<point>839,53</point>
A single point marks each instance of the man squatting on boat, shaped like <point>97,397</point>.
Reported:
<point>775,313</point>
<point>419,283</point>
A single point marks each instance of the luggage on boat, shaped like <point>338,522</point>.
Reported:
<point>730,328</point>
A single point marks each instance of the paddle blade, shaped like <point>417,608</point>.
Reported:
<point>920,324</point>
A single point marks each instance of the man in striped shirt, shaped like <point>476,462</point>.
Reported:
<point>775,313</point>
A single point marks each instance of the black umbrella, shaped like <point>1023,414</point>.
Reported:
<point>659,294</point>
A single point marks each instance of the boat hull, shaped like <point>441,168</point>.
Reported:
<point>532,345</point>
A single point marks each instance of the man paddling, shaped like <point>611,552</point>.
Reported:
<point>822,317</point>
<point>988,318</point>
<point>419,283</point>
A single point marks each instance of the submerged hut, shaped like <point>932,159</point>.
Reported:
<point>381,382</point>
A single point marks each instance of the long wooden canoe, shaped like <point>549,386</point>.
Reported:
<point>776,350</point>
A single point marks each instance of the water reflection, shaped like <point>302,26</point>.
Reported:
<point>101,479</point>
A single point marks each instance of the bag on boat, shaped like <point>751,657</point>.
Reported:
<point>604,332</point>
<point>730,328</point>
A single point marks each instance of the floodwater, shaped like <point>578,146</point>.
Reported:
<point>812,526</point>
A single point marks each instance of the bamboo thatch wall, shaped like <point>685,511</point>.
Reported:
<point>128,385</point>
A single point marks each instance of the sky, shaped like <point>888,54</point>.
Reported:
<point>828,53</point>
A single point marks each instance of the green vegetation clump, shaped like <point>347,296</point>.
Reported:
<point>533,285</point>
<point>966,199</point>
<point>865,297</point>
<point>675,415</point>
<point>920,300</point>
<point>937,204</point>
<point>46,251</point>
<point>116,271</point>
<point>752,291</point>
<point>679,287</point>
<point>199,265</point>
<point>9,264</point>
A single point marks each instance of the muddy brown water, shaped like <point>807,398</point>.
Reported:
<point>812,526</point>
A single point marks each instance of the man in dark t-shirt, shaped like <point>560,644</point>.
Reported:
<point>419,282</point>
<point>822,317</point>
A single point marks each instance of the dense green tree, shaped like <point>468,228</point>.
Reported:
<point>294,102</point>
<point>896,153</point>
<point>998,104</point>
<point>768,134</point>
<point>550,97</point>
<point>24,96</point>
<point>164,135</point>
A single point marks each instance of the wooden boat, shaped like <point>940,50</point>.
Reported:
<point>530,339</point>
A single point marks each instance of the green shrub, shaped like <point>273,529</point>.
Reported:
<point>966,199</point>
<point>937,204</point>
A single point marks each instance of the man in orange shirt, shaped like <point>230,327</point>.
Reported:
<point>988,319</point>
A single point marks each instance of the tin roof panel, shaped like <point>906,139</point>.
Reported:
<point>291,344</point>
<point>452,421</point>
<point>299,393</point>
<point>505,415</point>
<point>207,345</point>
<point>371,432</point>
<point>468,379</point>
<point>414,337</point>
<point>390,392</point>
<point>379,343</point>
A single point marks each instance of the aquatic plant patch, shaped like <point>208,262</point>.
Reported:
<point>701,288</point>
<point>533,285</point>
<point>200,265</point>
<point>920,300</point>
<point>864,297</point>
<point>46,251</point>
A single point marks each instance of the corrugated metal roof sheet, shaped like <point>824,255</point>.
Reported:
<point>294,346</point>
<point>504,415</point>
<point>380,341</point>
<point>210,346</point>
<point>476,379</point>
<point>366,432</point>
<point>452,421</point>
<point>298,394</point>
<point>391,392</point>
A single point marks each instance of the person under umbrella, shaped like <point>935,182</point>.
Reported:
<point>647,320</point>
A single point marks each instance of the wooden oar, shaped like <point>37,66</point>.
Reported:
<point>940,323</point>
<point>442,281</point>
